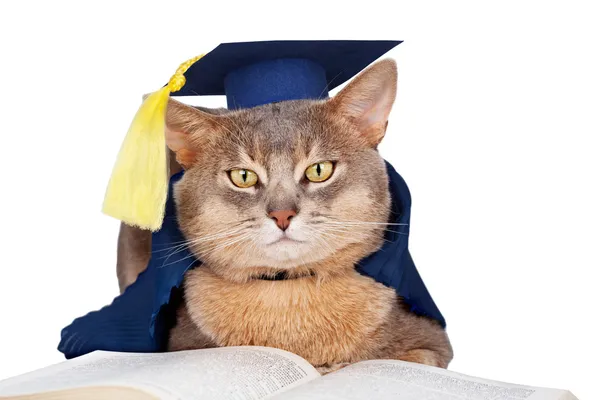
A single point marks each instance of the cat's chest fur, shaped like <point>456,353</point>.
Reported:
<point>339,320</point>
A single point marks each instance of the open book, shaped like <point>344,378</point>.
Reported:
<point>252,373</point>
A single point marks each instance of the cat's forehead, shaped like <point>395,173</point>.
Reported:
<point>280,132</point>
<point>278,121</point>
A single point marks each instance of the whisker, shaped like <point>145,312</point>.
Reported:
<point>334,233</point>
<point>381,228</point>
<point>165,264</point>
<point>187,243</point>
<point>221,245</point>
<point>364,223</point>
<point>183,247</point>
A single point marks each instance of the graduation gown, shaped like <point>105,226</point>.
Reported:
<point>139,319</point>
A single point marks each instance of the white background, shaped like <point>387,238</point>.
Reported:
<point>495,129</point>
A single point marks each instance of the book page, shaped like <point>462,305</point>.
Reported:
<point>390,379</point>
<point>223,373</point>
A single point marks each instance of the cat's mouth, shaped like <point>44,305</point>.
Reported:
<point>285,240</point>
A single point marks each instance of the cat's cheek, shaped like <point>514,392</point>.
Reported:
<point>297,234</point>
<point>352,205</point>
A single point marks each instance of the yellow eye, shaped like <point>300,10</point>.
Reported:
<point>319,172</point>
<point>243,178</point>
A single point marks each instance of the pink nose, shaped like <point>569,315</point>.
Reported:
<point>282,218</point>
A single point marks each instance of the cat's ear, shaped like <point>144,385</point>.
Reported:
<point>368,99</point>
<point>185,126</point>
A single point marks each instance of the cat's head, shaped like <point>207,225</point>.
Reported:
<point>295,185</point>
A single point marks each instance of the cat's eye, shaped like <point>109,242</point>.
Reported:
<point>243,178</point>
<point>319,172</point>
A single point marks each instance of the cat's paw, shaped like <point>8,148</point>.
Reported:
<point>326,369</point>
<point>426,357</point>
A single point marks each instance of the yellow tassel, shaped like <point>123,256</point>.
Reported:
<point>138,187</point>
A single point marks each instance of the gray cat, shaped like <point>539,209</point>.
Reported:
<point>295,188</point>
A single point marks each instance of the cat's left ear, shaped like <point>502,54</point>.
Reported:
<point>368,99</point>
<point>187,126</point>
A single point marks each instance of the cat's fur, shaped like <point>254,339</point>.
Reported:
<point>326,312</point>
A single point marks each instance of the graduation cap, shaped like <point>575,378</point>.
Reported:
<point>248,74</point>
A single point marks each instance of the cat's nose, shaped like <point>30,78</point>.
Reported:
<point>282,218</point>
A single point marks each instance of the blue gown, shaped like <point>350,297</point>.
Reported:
<point>139,319</point>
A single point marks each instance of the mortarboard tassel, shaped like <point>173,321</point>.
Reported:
<point>137,190</point>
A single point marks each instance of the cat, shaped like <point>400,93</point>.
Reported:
<point>280,202</point>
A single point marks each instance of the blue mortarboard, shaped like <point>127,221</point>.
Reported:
<point>255,73</point>
<point>249,74</point>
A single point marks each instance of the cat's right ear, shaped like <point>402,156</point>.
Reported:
<point>368,99</point>
<point>185,127</point>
